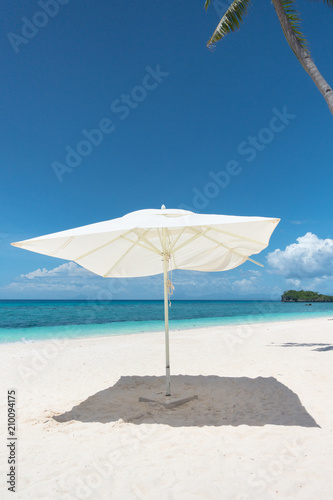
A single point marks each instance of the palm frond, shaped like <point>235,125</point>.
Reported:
<point>207,2</point>
<point>295,22</point>
<point>230,21</point>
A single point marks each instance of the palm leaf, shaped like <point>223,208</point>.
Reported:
<point>295,22</point>
<point>230,21</point>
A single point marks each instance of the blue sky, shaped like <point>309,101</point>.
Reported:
<point>173,116</point>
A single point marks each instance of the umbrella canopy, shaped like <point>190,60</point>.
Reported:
<point>133,245</point>
<point>148,242</point>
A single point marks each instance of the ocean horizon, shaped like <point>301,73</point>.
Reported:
<point>33,320</point>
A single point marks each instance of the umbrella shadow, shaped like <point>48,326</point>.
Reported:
<point>221,401</point>
<point>317,347</point>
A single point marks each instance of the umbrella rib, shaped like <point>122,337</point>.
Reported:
<point>179,235</point>
<point>149,243</point>
<point>141,245</point>
<point>161,239</point>
<point>246,257</point>
<point>64,245</point>
<point>197,235</point>
<point>100,247</point>
<point>124,254</point>
<point>237,236</point>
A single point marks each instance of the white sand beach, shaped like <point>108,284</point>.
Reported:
<point>261,428</point>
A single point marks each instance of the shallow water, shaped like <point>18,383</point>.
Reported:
<point>37,319</point>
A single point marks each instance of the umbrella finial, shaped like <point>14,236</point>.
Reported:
<point>163,207</point>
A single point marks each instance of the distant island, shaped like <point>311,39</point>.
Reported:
<point>305,296</point>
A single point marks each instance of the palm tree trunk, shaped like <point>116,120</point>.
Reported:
<point>303,56</point>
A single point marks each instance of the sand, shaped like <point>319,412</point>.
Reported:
<point>261,427</point>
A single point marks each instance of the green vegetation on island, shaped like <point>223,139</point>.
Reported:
<point>305,296</point>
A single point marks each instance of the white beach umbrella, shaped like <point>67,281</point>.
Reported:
<point>148,242</point>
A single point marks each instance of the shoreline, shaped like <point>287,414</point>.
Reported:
<point>205,325</point>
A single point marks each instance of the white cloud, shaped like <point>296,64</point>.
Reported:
<point>69,269</point>
<point>310,257</point>
<point>248,285</point>
<point>68,279</point>
<point>244,286</point>
<point>257,274</point>
<point>293,282</point>
<point>72,281</point>
<point>17,286</point>
<point>298,222</point>
<point>250,272</point>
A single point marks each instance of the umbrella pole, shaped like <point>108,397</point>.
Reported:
<point>166,322</point>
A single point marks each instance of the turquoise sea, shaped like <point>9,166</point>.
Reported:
<point>28,320</point>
